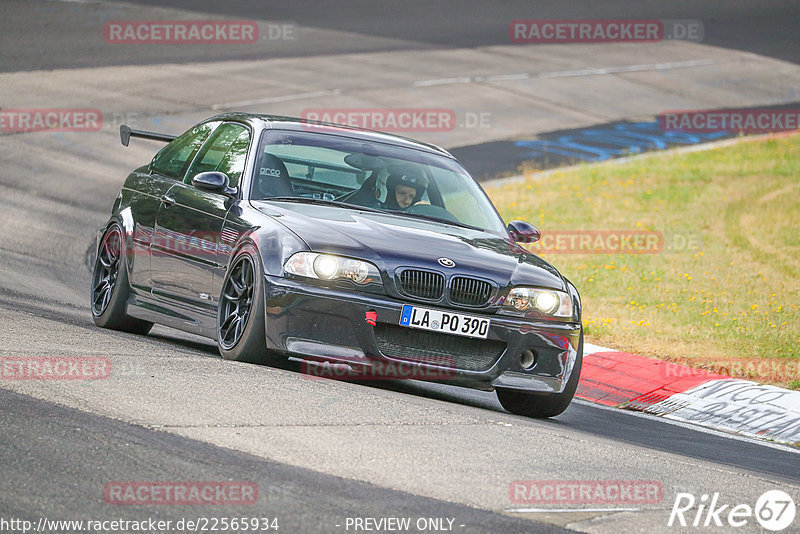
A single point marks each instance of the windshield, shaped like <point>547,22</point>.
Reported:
<point>378,176</point>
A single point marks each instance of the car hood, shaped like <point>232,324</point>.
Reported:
<point>392,241</point>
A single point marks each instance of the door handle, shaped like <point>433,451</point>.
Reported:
<point>167,200</point>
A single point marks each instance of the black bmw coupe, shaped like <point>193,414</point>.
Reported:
<point>279,237</point>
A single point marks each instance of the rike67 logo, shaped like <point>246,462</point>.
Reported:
<point>774,511</point>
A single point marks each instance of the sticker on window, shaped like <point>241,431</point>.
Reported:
<point>266,171</point>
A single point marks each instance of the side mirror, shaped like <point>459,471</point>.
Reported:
<point>523,232</point>
<point>125,134</point>
<point>213,182</point>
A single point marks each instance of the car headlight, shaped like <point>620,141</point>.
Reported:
<point>544,301</point>
<point>330,267</point>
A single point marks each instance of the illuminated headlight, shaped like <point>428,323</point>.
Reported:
<point>330,267</point>
<point>326,267</point>
<point>544,301</point>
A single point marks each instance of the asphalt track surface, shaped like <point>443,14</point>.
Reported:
<point>767,28</point>
<point>319,451</point>
<point>301,500</point>
<point>598,142</point>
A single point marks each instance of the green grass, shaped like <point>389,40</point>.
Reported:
<point>724,293</point>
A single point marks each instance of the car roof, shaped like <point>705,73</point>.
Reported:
<point>298,124</point>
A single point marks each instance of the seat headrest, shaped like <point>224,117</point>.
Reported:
<point>273,178</point>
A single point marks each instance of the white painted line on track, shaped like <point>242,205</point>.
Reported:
<point>597,71</point>
<point>271,99</point>
<point>626,68</point>
<point>481,79</point>
<point>691,426</point>
<point>566,510</point>
<point>443,81</point>
<point>734,405</point>
<point>507,77</point>
<point>588,348</point>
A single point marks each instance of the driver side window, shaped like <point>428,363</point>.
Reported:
<point>225,151</point>
<point>173,159</point>
<point>456,199</point>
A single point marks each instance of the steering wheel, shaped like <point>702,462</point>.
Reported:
<point>430,210</point>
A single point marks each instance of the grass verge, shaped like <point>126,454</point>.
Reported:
<point>719,288</point>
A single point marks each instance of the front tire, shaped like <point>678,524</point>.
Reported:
<point>241,327</point>
<point>110,288</point>
<point>540,406</point>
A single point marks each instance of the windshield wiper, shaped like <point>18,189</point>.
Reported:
<point>339,204</point>
<point>320,201</point>
<point>433,218</point>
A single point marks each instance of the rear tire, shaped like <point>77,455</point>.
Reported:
<point>540,406</point>
<point>241,327</point>
<point>110,289</point>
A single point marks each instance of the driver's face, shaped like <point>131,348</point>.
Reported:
<point>404,195</point>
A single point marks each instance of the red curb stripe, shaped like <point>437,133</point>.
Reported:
<point>613,378</point>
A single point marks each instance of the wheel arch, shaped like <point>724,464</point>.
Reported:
<point>274,243</point>
<point>124,219</point>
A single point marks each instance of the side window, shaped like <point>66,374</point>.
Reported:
<point>174,158</point>
<point>457,199</point>
<point>225,151</point>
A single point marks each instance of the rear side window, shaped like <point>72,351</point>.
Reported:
<point>173,159</point>
<point>225,151</point>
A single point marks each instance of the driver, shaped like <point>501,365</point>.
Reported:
<point>404,190</point>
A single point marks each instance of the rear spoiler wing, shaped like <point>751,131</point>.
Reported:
<point>126,132</point>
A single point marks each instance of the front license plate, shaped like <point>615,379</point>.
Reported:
<point>444,321</point>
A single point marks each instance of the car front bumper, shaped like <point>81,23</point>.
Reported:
<point>317,323</point>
